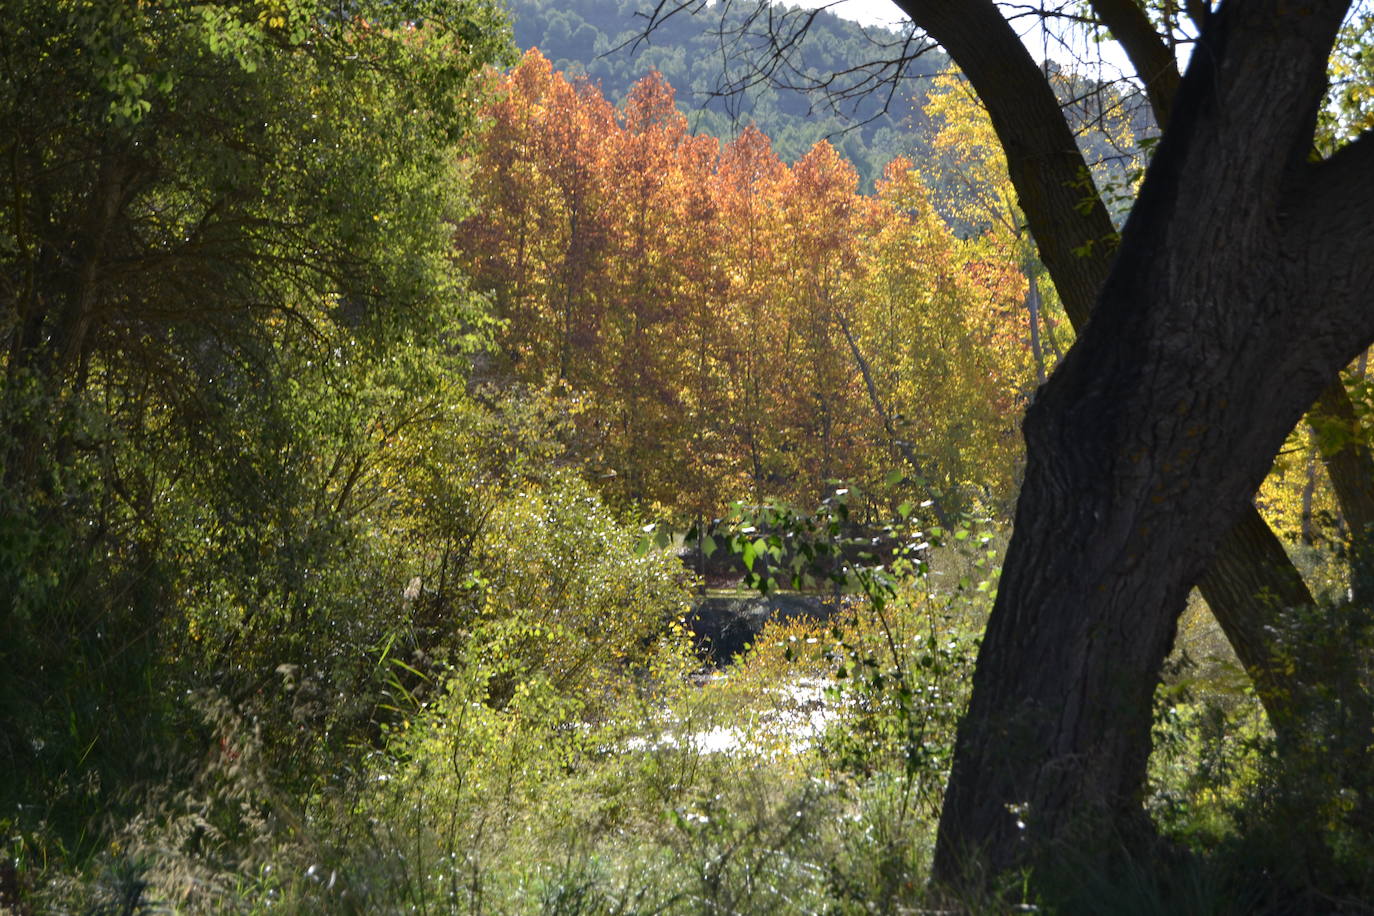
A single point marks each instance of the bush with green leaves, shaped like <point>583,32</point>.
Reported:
<point>1226,787</point>
<point>565,593</point>
<point>544,764</point>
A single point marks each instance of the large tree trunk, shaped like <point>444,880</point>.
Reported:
<point>1236,296</point>
<point>1252,579</point>
<point>1252,586</point>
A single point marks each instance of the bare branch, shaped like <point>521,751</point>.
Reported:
<point>763,45</point>
<point>1154,63</point>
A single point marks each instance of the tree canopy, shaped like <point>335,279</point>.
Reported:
<point>223,223</point>
<point>735,326</point>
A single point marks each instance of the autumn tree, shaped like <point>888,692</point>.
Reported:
<point>714,335</point>
<point>747,185</point>
<point>709,466</point>
<point>976,194</point>
<point>542,242</point>
<point>658,336</point>
<point>594,241</point>
<point>941,327</point>
<point>822,218</point>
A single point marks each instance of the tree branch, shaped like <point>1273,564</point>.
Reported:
<point>901,445</point>
<point>1149,55</point>
<point>1063,210</point>
<point>1327,213</point>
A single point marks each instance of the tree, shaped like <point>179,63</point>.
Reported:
<point>1218,315</point>
<point>822,222</point>
<point>223,225</point>
<point>715,329</point>
<point>1235,296</point>
<point>938,321</point>
<point>972,172</point>
<point>1251,580</point>
<point>749,178</point>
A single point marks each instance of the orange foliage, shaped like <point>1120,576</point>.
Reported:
<point>696,298</point>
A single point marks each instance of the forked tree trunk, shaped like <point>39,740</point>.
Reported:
<point>1252,586</point>
<point>1237,294</point>
<point>1251,580</point>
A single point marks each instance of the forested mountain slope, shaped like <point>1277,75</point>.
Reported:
<point>597,38</point>
<point>867,112</point>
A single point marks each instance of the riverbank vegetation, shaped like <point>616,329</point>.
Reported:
<point>377,402</point>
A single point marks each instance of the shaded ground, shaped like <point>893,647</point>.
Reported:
<point>724,625</point>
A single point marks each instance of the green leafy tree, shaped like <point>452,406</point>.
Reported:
<point>219,218</point>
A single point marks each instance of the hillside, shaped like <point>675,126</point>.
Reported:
<point>715,64</point>
<point>702,56</point>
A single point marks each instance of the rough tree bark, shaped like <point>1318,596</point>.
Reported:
<point>1351,468</point>
<point>1236,295</point>
<point>1252,579</point>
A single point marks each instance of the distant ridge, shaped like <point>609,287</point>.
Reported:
<point>581,37</point>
